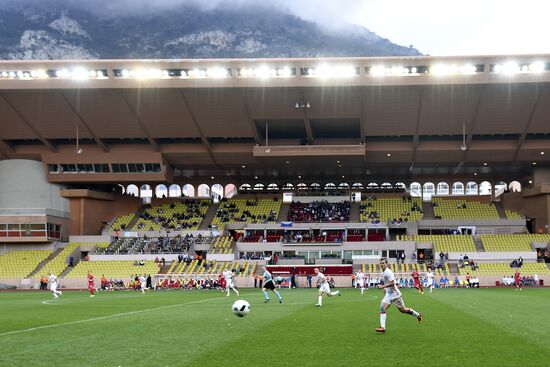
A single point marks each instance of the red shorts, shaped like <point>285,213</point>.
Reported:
<point>417,283</point>
<point>91,286</point>
<point>516,282</point>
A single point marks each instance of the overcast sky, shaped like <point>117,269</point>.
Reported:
<point>435,27</point>
<point>442,27</point>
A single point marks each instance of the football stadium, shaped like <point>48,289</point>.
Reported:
<point>306,211</point>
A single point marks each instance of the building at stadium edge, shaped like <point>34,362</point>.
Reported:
<point>330,162</point>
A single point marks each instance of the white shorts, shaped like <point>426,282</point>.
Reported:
<point>324,288</point>
<point>143,285</point>
<point>360,283</point>
<point>430,283</point>
<point>228,283</point>
<point>398,301</point>
<point>53,287</point>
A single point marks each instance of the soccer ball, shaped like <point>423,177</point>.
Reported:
<point>241,308</point>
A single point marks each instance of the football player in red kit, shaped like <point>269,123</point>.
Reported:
<point>417,282</point>
<point>91,284</point>
<point>517,280</point>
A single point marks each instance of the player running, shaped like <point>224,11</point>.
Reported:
<point>143,283</point>
<point>268,284</point>
<point>430,276</point>
<point>228,276</point>
<point>517,280</point>
<point>392,296</point>
<point>323,287</point>
<point>360,281</point>
<point>417,282</point>
<point>91,284</point>
<point>53,286</point>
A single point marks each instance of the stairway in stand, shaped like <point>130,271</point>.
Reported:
<point>46,260</point>
<point>428,210</point>
<point>500,210</point>
<point>283,212</point>
<point>355,213</point>
<point>209,216</point>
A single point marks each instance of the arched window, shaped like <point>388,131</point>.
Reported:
<point>174,191</point>
<point>245,187</point>
<point>217,191</point>
<point>343,186</point>
<point>442,188</point>
<point>515,186</point>
<point>161,191</point>
<point>500,188</point>
<point>315,186</point>
<point>386,186</point>
<point>120,189</point>
<point>428,189</point>
<point>132,190</point>
<point>272,187</point>
<point>230,190</point>
<point>400,185</point>
<point>372,185</point>
<point>188,190</point>
<point>301,186</point>
<point>416,190</point>
<point>357,185</point>
<point>330,186</point>
<point>458,188</point>
<point>485,188</point>
<point>471,188</point>
<point>146,191</point>
<point>288,186</point>
<point>203,191</point>
<point>259,187</point>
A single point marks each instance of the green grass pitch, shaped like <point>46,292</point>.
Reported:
<point>480,327</point>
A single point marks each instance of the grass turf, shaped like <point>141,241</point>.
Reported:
<point>489,327</point>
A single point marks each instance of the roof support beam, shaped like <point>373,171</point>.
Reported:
<point>534,107</point>
<point>5,148</point>
<point>24,119</point>
<point>416,137</point>
<point>470,133</point>
<point>249,118</point>
<point>363,117</point>
<point>307,124</point>
<point>135,114</point>
<point>83,123</point>
<point>197,126</point>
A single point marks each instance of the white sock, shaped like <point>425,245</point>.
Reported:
<point>362,290</point>
<point>320,300</point>
<point>383,320</point>
<point>334,293</point>
<point>414,313</point>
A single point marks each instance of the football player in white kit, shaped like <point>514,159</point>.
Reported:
<point>53,286</point>
<point>360,281</point>
<point>143,282</point>
<point>323,287</point>
<point>430,279</point>
<point>228,275</point>
<point>392,296</point>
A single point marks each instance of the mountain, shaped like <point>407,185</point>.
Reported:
<point>64,29</point>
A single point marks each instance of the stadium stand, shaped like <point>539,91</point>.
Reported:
<point>505,269</point>
<point>445,243</point>
<point>386,210</point>
<point>113,268</point>
<point>121,223</point>
<point>247,211</point>
<point>59,263</point>
<point>174,216</point>
<point>513,215</point>
<point>319,211</point>
<point>462,209</point>
<point>222,245</point>
<point>20,264</point>
<point>512,242</point>
<point>155,245</point>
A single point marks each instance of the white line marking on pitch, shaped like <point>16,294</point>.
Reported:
<point>105,317</point>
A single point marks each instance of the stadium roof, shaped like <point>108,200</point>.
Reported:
<point>282,117</point>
